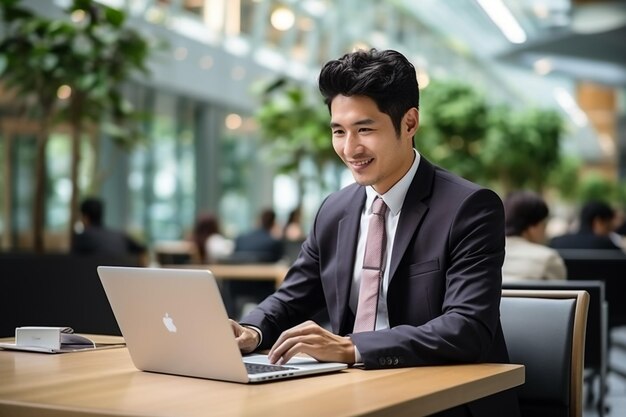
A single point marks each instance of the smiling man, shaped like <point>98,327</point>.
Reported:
<point>406,261</point>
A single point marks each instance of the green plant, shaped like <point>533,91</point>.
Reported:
<point>522,147</point>
<point>87,57</point>
<point>453,121</point>
<point>495,145</point>
<point>595,186</point>
<point>294,127</point>
<point>564,178</point>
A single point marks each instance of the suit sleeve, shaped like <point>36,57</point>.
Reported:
<point>469,319</point>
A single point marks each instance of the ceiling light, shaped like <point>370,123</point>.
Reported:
<point>543,66</point>
<point>567,102</point>
<point>282,19</point>
<point>233,121</point>
<point>504,19</point>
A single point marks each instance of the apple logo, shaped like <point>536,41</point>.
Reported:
<point>169,323</point>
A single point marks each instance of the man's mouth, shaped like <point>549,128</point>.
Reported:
<point>361,164</point>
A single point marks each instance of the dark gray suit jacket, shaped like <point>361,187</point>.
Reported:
<point>445,279</point>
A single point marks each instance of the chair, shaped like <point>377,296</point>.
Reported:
<point>596,343</point>
<point>545,331</point>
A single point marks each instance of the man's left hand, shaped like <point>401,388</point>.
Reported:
<point>313,340</point>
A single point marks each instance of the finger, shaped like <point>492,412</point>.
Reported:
<point>294,345</point>
<point>302,329</point>
<point>237,330</point>
<point>298,345</point>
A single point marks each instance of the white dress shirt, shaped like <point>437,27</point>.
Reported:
<point>394,198</point>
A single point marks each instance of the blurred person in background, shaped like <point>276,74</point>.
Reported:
<point>526,256</point>
<point>257,246</point>
<point>210,244</point>
<point>94,238</point>
<point>618,235</point>
<point>596,226</point>
<point>292,231</point>
<point>260,245</point>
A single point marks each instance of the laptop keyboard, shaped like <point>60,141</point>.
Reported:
<point>257,368</point>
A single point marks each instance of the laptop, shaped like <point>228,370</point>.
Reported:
<point>174,322</point>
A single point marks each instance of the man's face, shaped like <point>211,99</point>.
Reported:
<point>366,141</point>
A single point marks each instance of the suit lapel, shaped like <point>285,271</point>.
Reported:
<point>347,238</point>
<point>413,211</point>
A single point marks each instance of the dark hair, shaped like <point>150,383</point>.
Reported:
<point>386,77</point>
<point>93,210</point>
<point>206,226</point>
<point>267,218</point>
<point>294,215</point>
<point>523,209</point>
<point>594,210</point>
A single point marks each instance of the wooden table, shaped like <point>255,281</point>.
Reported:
<point>105,383</point>
<point>253,272</point>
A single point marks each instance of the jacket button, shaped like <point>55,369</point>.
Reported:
<point>389,361</point>
<point>381,361</point>
<point>395,360</point>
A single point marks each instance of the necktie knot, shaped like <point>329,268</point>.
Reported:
<point>379,207</point>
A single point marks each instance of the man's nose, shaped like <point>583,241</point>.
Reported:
<point>352,144</point>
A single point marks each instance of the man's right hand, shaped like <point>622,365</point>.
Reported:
<point>246,338</point>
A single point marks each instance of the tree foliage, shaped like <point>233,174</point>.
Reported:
<point>454,121</point>
<point>490,144</point>
<point>89,54</point>
<point>294,127</point>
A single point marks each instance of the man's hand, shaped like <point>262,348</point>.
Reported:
<point>313,340</point>
<point>246,338</point>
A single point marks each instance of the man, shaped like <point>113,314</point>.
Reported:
<point>96,239</point>
<point>440,289</point>
<point>596,226</point>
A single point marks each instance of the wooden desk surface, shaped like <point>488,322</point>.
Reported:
<point>257,272</point>
<point>105,383</point>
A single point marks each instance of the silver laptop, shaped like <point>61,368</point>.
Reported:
<point>174,321</point>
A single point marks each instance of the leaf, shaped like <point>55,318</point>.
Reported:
<point>4,62</point>
<point>114,17</point>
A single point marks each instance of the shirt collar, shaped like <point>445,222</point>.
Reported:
<point>394,197</point>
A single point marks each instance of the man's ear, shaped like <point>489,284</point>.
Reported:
<point>411,121</point>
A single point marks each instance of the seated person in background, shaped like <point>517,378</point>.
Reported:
<point>596,225</point>
<point>260,245</point>
<point>292,232</point>
<point>256,246</point>
<point>618,235</point>
<point>211,245</point>
<point>95,238</point>
<point>293,235</point>
<point>526,256</point>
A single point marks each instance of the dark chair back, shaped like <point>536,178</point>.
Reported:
<point>56,290</point>
<point>606,265</point>
<point>545,331</point>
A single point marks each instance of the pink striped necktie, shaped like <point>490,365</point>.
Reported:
<point>372,272</point>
